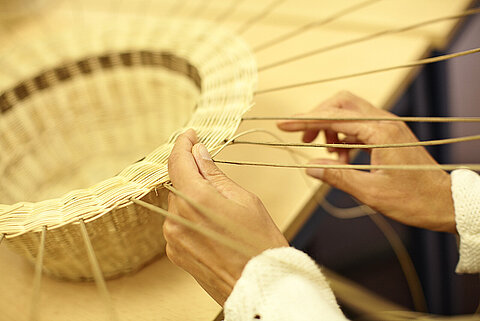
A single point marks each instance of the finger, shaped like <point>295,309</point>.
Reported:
<point>343,156</point>
<point>171,231</point>
<point>343,104</point>
<point>351,181</point>
<point>185,239</point>
<point>181,164</point>
<point>181,256</point>
<point>332,138</point>
<point>202,193</point>
<point>210,171</point>
<point>195,253</point>
<point>350,140</point>
<point>216,282</point>
<point>310,135</point>
<point>363,131</point>
<point>179,207</point>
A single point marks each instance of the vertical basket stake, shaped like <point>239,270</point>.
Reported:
<point>37,278</point>
<point>97,273</point>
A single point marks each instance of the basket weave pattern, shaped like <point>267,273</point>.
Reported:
<point>75,129</point>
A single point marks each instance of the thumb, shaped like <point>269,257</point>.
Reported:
<point>208,168</point>
<point>354,182</point>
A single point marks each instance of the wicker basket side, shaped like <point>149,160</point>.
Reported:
<point>124,241</point>
<point>79,112</point>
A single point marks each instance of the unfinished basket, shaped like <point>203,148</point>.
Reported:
<point>80,109</point>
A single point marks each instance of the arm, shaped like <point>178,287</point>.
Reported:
<point>269,283</point>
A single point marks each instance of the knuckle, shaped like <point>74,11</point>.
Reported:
<point>167,231</point>
<point>345,100</point>
<point>214,173</point>
<point>171,231</point>
<point>218,178</point>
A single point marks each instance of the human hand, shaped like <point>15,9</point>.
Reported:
<point>418,198</point>
<point>243,219</point>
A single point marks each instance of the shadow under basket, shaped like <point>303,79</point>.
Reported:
<point>75,130</point>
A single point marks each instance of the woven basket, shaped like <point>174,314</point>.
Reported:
<point>15,9</point>
<point>82,110</point>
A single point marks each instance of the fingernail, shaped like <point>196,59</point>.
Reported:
<point>203,152</point>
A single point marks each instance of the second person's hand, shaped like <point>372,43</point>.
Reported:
<point>418,198</point>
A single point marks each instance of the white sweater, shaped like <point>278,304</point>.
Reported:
<point>286,284</point>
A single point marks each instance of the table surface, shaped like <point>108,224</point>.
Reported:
<point>162,291</point>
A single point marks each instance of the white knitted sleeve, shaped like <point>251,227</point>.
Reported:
<point>466,199</point>
<point>282,284</point>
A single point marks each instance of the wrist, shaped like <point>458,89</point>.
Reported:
<point>444,210</point>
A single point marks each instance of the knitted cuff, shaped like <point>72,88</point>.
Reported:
<point>273,281</point>
<point>466,199</point>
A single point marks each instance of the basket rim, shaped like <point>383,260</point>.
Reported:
<point>226,93</point>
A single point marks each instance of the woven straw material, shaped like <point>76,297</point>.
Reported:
<point>80,112</point>
<point>10,10</point>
